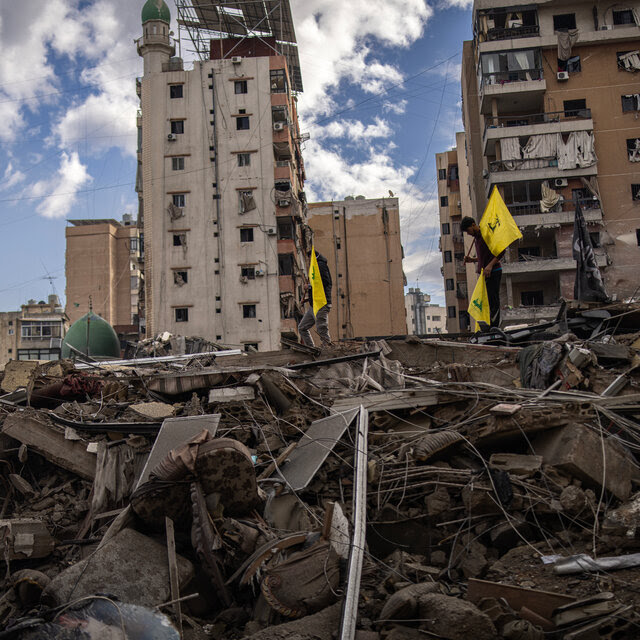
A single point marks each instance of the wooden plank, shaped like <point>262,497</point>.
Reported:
<point>173,572</point>
<point>401,399</point>
<point>30,428</point>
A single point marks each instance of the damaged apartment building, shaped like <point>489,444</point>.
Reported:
<point>220,173</point>
<point>550,110</point>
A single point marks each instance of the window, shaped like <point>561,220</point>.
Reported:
<point>247,201</point>
<point>248,310</point>
<point>246,234</point>
<point>450,286</point>
<point>248,272</point>
<point>38,354</point>
<point>240,86</point>
<point>10,350</point>
<point>40,329</point>
<point>633,149</point>
<point>279,114</point>
<point>278,81</point>
<point>179,199</point>
<point>447,256</point>
<point>182,314</point>
<point>453,172</point>
<point>244,159</point>
<point>180,277</point>
<point>630,103</point>
<point>442,174</point>
<point>177,164</point>
<point>10,332</point>
<point>446,229</point>
<point>134,283</point>
<point>628,60</point>
<point>623,17</point>
<point>11,323</point>
<point>436,318</point>
<point>635,192</point>
<point>564,21</point>
<point>285,264</point>
<point>250,346</point>
<point>451,312</point>
<point>531,298</point>
<point>594,236</point>
<point>175,90</point>
<point>638,237</point>
<point>574,108</point>
<point>285,230</point>
<point>177,126</point>
<point>242,123</point>
<point>179,239</point>
<point>444,201</point>
<point>528,251</point>
<point>573,65</point>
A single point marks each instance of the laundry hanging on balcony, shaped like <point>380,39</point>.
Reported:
<point>510,153</point>
<point>577,151</point>
<point>539,150</point>
<point>551,200</point>
<point>566,40</point>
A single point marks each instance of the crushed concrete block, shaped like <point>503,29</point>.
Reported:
<point>232,394</point>
<point>577,450</point>
<point>156,410</point>
<point>131,566</point>
<point>455,619</point>
<point>403,604</point>
<point>519,465</point>
<point>574,500</point>
<point>319,626</point>
<point>18,374</point>
<point>23,538</point>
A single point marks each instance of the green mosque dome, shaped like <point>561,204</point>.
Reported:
<point>156,10</point>
<point>97,332</point>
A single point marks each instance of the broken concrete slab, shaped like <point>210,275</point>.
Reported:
<point>232,394</point>
<point>18,374</point>
<point>319,626</point>
<point>520,465</point>
<point>23,538</point>
<point>131,566</point>
<point>27,427</point>
<point>453,618</point>
<point>154,410</point>
<point>582,453</point>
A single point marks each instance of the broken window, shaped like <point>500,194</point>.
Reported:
<point>449,284</point>
<point>635,191</point>
<point>531,298</point>
<point>182,314</point>
<point>177,126</point>
<point>575,108</point>
<point>624,16</point>
<point>244,159</point>
<point>248,272</point>
<point>633,149</point>
<point>285,264</point>
<point>250,346</point>
<point>285,230</point>
<point>638,237</point>
<point>175,91</point>
<point>246,234</point>
<point>179,239</point>
<point>595,239</point>
<point>629,60</point>
<point>528,252</point>
<point>447,256</point>
<point>247,201</point>
<point>564,21</point>
<point>278,80</point>
<point>631,102</point>
<point>446,230</point>
<point>242,123</point>
<point>444,201</point>
<point>453,172</point>
<point>179,199</point>
<point>180,277</point>
<point>280,114</point>
<point>177,164</point>
<point>248,310</point>
<point>240,86</point>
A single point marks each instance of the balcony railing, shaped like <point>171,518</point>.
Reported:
<point>536,118</point>
<point>533,208</point>
<point>520,163</point>
<point>506,77</point>
<point>514,32</point>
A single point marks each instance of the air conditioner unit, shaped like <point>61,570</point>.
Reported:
<point>172,137</point>
<point>560,182</point>
<point>260,273</point>
<point>271,231</point>
<point>278,126</point>
<point>236,59</point>
<point>563,75</point>
<point>284,203</point>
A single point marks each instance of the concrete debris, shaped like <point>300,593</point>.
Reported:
<point>378,490</point>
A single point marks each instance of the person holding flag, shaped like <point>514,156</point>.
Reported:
<point>496,231</point>
<point>319,297</point>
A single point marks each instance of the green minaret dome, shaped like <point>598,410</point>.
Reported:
<point>156,10</point>
<point>102,340</point>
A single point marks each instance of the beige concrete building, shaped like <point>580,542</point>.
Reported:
<point>361,240</point>
<point>221,182</point>
<point>551,108</point>
<point>33,333</point>
<point>423,318</point>
<point>103,264</point>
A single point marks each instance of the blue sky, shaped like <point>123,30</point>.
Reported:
<point>382,96</point>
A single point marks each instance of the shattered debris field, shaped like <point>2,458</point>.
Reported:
<point>392,489</point>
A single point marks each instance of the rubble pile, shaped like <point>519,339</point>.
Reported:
<point>383,489</point>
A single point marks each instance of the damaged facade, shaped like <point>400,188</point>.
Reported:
<point>550,116</point>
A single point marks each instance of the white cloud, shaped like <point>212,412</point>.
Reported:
<point>11,178</point>
<point>353,130</point>
<point>458,4</point>
<point>60,190</point>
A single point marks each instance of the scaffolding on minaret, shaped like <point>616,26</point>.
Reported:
<point>267,20</point>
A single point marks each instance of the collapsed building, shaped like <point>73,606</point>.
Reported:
<point>380,489</point>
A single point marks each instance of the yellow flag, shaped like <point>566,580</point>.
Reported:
<point>479,303</point>
<point>498,227</point>
<point>317,288</point>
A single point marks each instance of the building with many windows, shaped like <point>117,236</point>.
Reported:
<point>423,317</point>
<point>220,177</point>
<point>33,333</point>
<point>551,116</point>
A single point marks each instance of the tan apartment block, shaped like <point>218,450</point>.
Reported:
<point>361,240</point>
<point>551,119</point>
<point>220,186</point>
<point>103,265</point>
<point>423,318</point>
<point>33,333</point>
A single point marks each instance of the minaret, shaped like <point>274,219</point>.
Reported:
<point>155,45</point>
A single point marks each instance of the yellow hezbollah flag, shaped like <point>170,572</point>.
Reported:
<point>317,288</point>
<point>498,227</point>
<point>479,304</point>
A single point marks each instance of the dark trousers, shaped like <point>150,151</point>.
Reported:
<point>493,293</point>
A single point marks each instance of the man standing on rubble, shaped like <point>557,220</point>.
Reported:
<point>491,265</point>
<point>319,299</point>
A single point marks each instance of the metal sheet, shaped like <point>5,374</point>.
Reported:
<point>314,447</point>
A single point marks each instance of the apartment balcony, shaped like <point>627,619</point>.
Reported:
<point>538,266</point>
<point>515,126</point>
<point>528,214</point>
<point>508,86</point>
<point>503,171</point>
